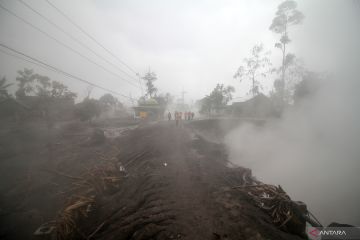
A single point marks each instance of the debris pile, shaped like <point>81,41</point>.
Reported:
<point>285,213</point>
<point>102,178</point>
<point>66,222</point>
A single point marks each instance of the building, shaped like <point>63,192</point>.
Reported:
<point>149,110</point>
<point>259,106</point>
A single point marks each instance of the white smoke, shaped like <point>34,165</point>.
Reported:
<point>313,151</point>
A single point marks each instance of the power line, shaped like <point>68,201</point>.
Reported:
<point>55,69</point>
<point>142,91</point>
<point>73,38</point>
<point>64,45</point>
<point>89,36</point>
<point>26,60</point>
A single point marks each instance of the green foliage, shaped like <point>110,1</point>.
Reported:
<point>258,64</point>
<point>61,91</point>
<point>294,73</point>
<point>287,15</point>
<point>88,109</point>
<point>149,79</point>
<point>108,101</point>
<point>25,80</point>
<point>206,105</point>
<point>217,99</point>
<point>30,83</point>
<point>163,101</point>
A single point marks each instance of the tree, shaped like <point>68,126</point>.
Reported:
<point>88,91</point>
<point>287,15</point>
<point>294,73</point>
<point>61,91</point>
<point>88,109</point>
<point>3,88</point>
<point>205,105</point>
<point>108,101</point>
<point>217,99</point>
<point>32,84</point>
<point>25,80</point>
<point>163,101</point>
<point>149,79</point>
<point>257,64</point>
<point>47,92</point>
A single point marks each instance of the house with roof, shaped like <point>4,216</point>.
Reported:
<point>149,109</point>
<point>260,106</point>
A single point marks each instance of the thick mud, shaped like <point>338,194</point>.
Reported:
<point>177,185</point>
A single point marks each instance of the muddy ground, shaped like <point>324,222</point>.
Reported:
<point>176,182</point>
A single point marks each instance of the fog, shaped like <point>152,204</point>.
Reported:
<point>313,150</point>
<point>191,46</point>
<point>181,41</point>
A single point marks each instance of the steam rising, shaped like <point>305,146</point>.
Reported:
<point>313,152</point>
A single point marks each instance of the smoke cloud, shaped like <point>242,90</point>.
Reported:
<point>312,151</point>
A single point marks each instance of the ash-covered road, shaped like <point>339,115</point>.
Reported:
<point>179,187</point>
<point>176,185</point>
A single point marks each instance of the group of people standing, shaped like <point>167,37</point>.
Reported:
<point>178,116</point>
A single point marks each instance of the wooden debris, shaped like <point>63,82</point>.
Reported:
<point>66,222</point>
<point>97,180</point>
<point>284,212</point>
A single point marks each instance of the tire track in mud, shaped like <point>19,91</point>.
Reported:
<point>178,187</point>
<point>140,209</point>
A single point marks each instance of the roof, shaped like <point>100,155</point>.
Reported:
<point>260,98</point>
<point>147,102</point>
<point>147,107</point>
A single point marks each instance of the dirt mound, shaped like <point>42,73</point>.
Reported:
<point>155,182</point>
<point>179,187</point>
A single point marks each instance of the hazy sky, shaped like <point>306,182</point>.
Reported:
<point>191,45</point>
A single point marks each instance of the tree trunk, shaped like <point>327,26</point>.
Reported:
<point>283,74</point>
<point>253,85</point>
<point>283,68</point>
